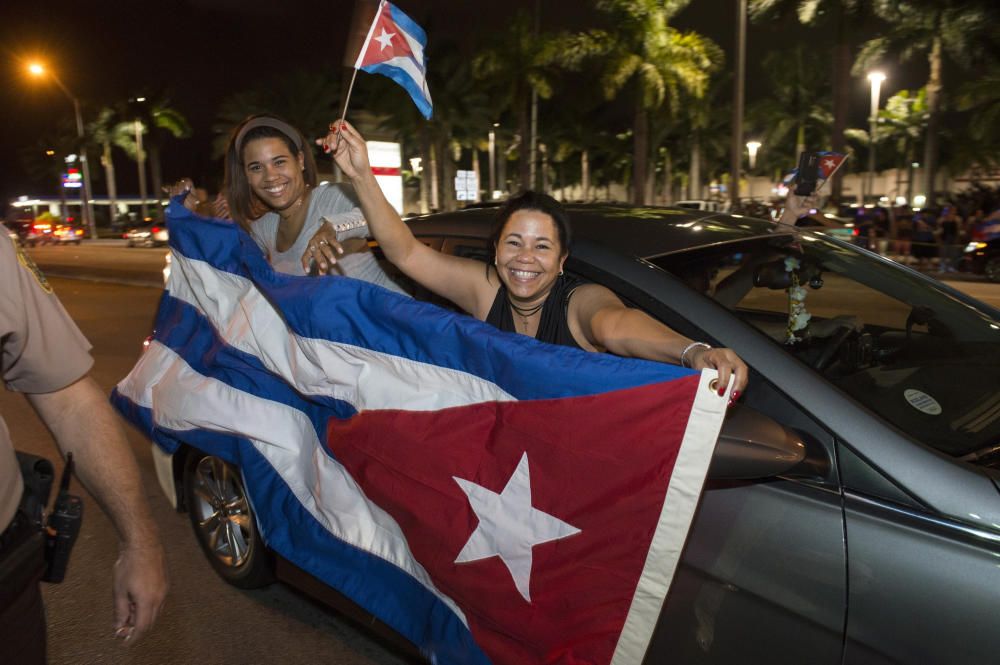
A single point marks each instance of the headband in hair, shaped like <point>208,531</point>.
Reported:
<point>273,123</point>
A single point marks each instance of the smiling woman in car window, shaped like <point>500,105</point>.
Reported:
<point>525,289</point>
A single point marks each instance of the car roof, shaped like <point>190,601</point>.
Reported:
<point>643,231</point>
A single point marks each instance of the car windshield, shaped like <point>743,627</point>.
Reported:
<point>902,345</point>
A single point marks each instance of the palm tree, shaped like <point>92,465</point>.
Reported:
<point>843,19</point>
<point>107,131</point>
<point>902,122</point>
<point>796,106</point>
<point>145,124</point>
<point>958,28</point>
<point>979,100</point>
<point>654,63</point>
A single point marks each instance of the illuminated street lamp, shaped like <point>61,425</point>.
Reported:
<point>876,79</point>
<point>752,148</point>
<point>38,70</point>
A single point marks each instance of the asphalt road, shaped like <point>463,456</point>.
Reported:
<point>205,621</point>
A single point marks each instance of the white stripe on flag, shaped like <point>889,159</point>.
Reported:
<point>686,481</point>
<point>247,321</point>
<point>411,69</point>
<point>417,49</point>
<point>287,439</point>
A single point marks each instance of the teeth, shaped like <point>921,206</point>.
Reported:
<point>524,274</point>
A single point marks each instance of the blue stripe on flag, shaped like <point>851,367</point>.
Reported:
<point>347,311</point>
<point>407,24</point>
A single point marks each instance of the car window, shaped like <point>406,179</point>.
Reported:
<point>904,346</point>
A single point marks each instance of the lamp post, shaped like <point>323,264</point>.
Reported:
<point>39,70</point>
<point>876,79</point>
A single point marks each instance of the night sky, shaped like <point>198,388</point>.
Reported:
<point>204,50</point>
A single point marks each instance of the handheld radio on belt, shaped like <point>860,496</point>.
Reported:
<point>62,528</point>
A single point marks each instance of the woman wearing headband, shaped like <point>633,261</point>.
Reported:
<point>272,191</point>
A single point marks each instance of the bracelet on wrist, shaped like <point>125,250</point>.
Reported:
<point>689,347</point>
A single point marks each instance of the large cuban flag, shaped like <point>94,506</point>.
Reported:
<point>492,498</point>
<point>394,47</point>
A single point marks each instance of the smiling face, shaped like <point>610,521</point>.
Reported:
<point>529,256</point>
<point>273,172</point>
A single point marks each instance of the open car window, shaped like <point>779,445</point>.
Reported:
<point>925,360</point>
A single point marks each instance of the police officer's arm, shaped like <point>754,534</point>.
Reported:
<point>82,422</point>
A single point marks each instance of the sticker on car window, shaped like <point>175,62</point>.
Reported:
<point>922,402</point>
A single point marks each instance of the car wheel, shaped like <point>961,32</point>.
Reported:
<point>992,269</point>
<point>224,522</point>
<point>129,243</point>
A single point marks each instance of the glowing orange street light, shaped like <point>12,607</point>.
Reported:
<point>39,70</point>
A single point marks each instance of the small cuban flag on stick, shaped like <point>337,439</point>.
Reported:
<point>394,47</point>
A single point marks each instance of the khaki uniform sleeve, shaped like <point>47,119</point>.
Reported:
<point>41,349</point>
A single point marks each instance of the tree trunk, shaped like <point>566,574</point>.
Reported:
<point>140,158</point>
<point>524,149</point>
<point>156,175</point>
<point>668,176</point>
<point>478,173</point>
<point>933,120</point>
<point>585,174</point>
<point>425,176</point>
<point>432,170</point>
<point>909,174</point>
<point>842,59</point>
<point>640,154</point>
<point>694,178</point>
<point>109,175</point>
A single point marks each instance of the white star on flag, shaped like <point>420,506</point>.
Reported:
<point>385,39</point>
<point>509,526</point>
<point>829,163</point>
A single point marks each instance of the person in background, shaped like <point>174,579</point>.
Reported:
<point>44,356</point>
<point>950,233</point>
<point>524,288</point>
<point>271,190</point>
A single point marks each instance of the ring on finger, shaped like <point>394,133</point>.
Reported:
<point>323,242</point>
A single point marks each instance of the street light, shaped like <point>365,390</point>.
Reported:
<point>752,148</point>
<point>876,79</point>
<point>38,70</point>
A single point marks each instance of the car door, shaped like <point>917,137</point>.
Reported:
<point>763,577</point>
<point>923,587</point>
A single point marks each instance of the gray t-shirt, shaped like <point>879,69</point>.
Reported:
<point>338,205</point>
<point>41,350</point>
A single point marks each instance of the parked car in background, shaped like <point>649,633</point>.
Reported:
<point>881,545</point>
<point>147,234</point>
<point>982,257</point>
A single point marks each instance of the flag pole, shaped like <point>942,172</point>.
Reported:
<point>347,100</point>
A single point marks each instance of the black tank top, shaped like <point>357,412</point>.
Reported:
<point>553,326</point>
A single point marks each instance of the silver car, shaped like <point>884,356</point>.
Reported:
<point>879,542</point>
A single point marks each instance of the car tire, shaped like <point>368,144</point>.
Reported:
<point>129,243</point>
<point>224,523</point>
<point>992,269</point>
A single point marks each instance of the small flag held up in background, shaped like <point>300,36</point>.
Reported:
<point>829,162</point>
<point>393,46</point>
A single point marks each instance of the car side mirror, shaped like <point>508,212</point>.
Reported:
<point>752,445</point>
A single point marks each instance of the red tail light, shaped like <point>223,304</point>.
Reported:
<point>156,229</point>
<point>854,232</point>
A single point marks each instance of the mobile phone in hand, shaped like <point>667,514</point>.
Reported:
<point>808,174</point>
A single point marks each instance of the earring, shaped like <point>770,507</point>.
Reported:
<point>560,273</point>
